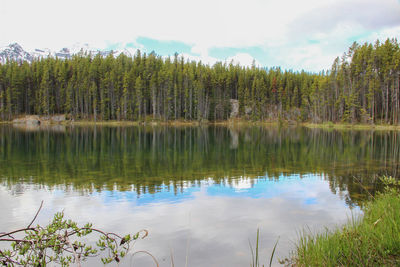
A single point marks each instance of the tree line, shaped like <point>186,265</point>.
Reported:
<point>362,86</point>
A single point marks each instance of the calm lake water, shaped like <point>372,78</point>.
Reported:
<point>201,192</point>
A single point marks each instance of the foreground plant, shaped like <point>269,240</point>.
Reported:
<point>373,240</point>
<point>62,242</point>
<point>255,259</point>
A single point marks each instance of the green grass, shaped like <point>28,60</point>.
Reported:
<point>349,126</point>
<point>372,240</point>
<point>255,258</point>
<point>149,120</point>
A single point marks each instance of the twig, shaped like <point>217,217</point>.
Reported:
<point>15,240</point>
<point>172,259</point>
<point>358,181</point>
<point>145,252</point>
<point>8,258</point>
<point>16,231</point>
<point>77,260</point>
<point>34,218</point>
<point>39,244</point>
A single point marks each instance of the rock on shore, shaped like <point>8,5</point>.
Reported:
<point>39,120</point>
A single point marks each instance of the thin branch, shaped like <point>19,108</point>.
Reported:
<point>6,234</point>
<point>34,218</point>
<point>101,232</point>
<point>16,240</point>
<point>146,233</point>
<point>172,259</point>
<point>8,258</point>
<point>77,260</point>
<point>39,246</point>
<point>145,252</point>
<point>363,187</point>
<point>17,231</point>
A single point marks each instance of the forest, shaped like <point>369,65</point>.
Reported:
<point>362,86</point>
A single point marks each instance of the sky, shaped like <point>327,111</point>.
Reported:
<point>292,34</point>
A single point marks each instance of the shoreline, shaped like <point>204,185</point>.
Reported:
<point>227,123</point>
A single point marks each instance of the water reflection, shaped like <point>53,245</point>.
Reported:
<point>200,191</point>
<point>146,158</point>
<point>210,222</point>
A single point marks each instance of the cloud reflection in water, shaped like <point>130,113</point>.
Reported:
<point>213,222</point>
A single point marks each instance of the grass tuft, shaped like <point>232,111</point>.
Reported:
<point>255,259</point>
<point>373,240</point>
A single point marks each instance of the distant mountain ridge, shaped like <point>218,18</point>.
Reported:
<point>15,52</point>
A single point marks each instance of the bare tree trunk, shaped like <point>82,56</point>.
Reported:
<point>154,102</point>
<point>387,104</point>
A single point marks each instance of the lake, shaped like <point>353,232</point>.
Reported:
<point>201,192</point>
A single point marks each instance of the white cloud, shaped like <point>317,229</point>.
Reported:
<point>393,32</point>
<point>204,58</point>
<point>203,23</point>
<point>243,59</point>
<point>349,16</point>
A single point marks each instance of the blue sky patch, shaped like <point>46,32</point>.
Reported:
<point>163,48</point>
<point>310,201</point>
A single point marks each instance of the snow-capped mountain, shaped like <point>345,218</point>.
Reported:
<point>16,53</point>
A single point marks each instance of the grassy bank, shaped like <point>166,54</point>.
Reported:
<point>234,122</point>
<point>231,122</point>
<point>237,122</point>
<point>349,126</point>
<point>150,122</point>
<point>373,240</point>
